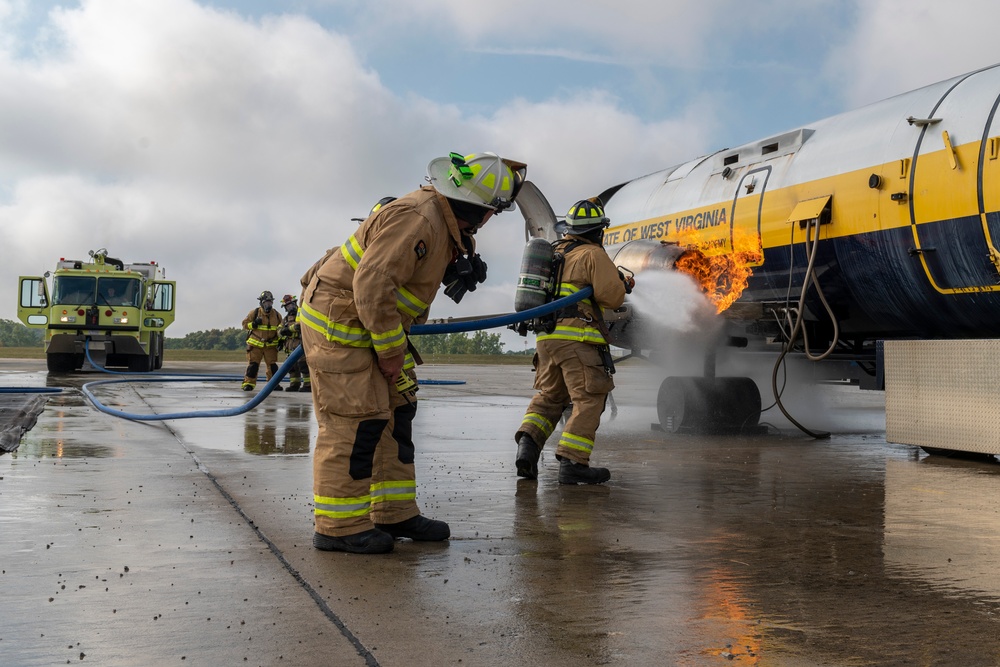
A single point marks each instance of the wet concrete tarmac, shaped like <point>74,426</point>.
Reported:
<point>188,542</point>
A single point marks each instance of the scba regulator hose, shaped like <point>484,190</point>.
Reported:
<point>456,326</point>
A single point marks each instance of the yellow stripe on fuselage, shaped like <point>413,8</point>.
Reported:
<point>940,193</point>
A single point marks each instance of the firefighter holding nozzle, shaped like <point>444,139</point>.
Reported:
<point>261,325</point>
<point>573,363</point>
<point>358,304</point>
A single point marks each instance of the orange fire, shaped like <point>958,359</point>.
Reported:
<point>723,277</point>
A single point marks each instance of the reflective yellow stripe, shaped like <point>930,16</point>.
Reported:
<point>389,340</point>
<point>407,303</point>
<point>581,334</point>
<point>566,289</point>
<point>396,490</point>
<point>576,442</point>
<point>352,252</point>
<point>408,362</point>
<point>342,508</point>
<point>539,422</point>
<point>334,332</point>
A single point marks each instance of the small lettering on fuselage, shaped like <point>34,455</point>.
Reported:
<point>661,229</point>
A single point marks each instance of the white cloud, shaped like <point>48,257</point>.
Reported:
<point>234,152</point>
<point>899,46</point>
<point>669,33</point>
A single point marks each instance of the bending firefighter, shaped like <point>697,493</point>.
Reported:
<point>573,364</point>
<point>358,304</point>
<point>291,338</point>
<point>262,324</point>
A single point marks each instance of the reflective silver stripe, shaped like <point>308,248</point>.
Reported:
<point>389,340</point>
<point>388,491</point>
<point>579,334</point>
<point>539,422</point>
<point>337,333</point>
<point>408,303</point>
<point>576,442</point>
<point>352,252</point>
<point>340,508</point>
<point>567,289</point>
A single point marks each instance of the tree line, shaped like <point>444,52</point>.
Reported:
<point>15,334</point>
<point>454,343</point>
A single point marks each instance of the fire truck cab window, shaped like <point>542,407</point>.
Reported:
<point>74,290</point>
<point>118,292</point>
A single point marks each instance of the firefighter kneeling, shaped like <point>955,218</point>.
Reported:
<point>573,364</point>
<point>261,325</point>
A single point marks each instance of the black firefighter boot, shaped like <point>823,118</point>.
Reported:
<point>274,371</point>
<point>527,457</point>
<point>418,528</point>
<point>371,541</point>
<point>578,473</point>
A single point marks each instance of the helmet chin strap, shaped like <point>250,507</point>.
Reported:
<point>471,214</point>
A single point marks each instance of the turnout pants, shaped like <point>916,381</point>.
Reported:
<point>268,354</point>
<point>567,372</point>
<point>363,469</point>
<point>299,373</point>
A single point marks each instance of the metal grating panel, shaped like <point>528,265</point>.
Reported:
<point>943,394</point>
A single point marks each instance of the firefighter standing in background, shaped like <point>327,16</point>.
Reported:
<point>359,301</point>
<point>291,337</point>
<point>262,325</point>
<point>573,364</point>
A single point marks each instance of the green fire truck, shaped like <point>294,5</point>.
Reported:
<point>114,311</point>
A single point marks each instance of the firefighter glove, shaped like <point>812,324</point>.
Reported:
<point>463,275</point>
<point>628,280</point>
<point>257,322</point>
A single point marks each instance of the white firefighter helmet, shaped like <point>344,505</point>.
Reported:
<point>483,179</point>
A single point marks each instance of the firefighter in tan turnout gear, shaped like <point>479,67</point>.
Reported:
<point>262,324</point>
<point>573,364</point>
<point>291,337</point>
<point>358,304</point>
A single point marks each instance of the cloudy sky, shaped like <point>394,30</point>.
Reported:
<point>232,141</point>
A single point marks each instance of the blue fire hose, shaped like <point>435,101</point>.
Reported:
<point>416,330</point>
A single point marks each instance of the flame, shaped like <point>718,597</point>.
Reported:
<point>722,277</point>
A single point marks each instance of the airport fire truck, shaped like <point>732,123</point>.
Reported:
<point>114,312</point>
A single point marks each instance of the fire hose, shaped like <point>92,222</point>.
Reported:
<point>454,326</point>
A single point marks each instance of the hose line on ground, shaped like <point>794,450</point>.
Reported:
<point>417,330</point>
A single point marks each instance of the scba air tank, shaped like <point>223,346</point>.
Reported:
<point>534,285</point>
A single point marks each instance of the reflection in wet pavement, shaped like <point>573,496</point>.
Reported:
<point>767,550</point>
<point>57,435</point>
<point>272,429</point>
